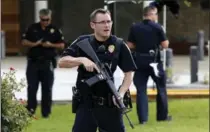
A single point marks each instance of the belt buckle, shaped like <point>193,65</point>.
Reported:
<point>101,101</point>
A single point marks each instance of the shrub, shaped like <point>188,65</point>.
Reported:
<point>14,115</point>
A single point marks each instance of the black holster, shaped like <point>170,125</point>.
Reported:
<point>127,100</point>
<point>76,99</point>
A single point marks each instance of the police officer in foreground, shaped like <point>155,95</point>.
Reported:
<point>96,108</point>
<point>145,39</point>
<point>42,40</point>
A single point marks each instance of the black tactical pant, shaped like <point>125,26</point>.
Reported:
<point>103,118</point>
<point>40,71</point>
<point>140,81</point>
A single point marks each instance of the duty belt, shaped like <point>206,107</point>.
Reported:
<point>101,101</point>
<point>96,100</point>
<point>151,53</point>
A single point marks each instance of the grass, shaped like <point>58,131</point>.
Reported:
<point>189,115</point>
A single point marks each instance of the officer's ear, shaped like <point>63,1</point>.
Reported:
<point>92,25</point>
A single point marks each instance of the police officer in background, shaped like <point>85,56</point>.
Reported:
<point>42,40</point>
<point>145,39</point>
<point>96,107</point>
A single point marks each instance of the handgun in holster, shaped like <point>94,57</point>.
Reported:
<point>76,99</point>
<point>127,99</point>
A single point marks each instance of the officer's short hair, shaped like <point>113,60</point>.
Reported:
<point>95,12</point>
<point>45,12</point>
<point>148,9</point>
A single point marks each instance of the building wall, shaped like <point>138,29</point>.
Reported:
<point>182,32</point>
<point>11,24</point>
<point>127,13</point>
<point>73,18</point>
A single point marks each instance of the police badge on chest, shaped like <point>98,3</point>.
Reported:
<point>111,48</point>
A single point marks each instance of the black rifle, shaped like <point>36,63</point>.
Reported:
<point>103,75</point>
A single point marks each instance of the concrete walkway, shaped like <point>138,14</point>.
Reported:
<point>65,78</point>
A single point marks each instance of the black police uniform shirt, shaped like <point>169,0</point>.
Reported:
<point>146,35</point>
<point>35,33</point>
<point>124,61</point>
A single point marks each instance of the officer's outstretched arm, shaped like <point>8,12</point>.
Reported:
<point>69,62</point>
<point>69,57</point>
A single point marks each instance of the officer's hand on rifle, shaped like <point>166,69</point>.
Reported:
<point>120,98</point>
<point>89,65</point>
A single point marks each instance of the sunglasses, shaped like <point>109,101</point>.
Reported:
<point>103,22</point>
<point>45,20</point>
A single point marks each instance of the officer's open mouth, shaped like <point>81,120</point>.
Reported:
<point>106,30</point>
